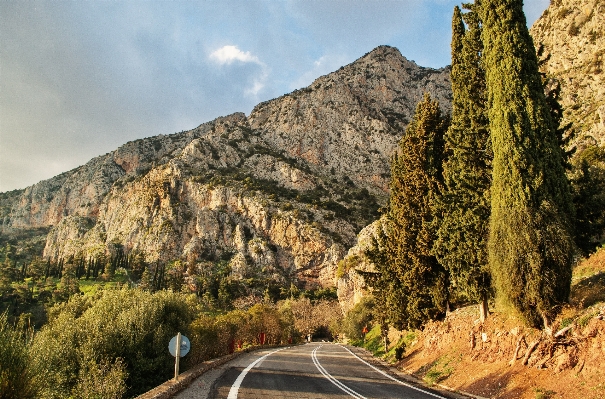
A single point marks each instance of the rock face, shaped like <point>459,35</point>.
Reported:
<point>351,286</point>
<point>282,193</point>
<point>573,37</point>
<point>348,122</point>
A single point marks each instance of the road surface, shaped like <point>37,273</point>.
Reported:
<point>315,370</point>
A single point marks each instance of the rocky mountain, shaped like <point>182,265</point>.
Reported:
<point>573,35</point>
<point>281,193</point>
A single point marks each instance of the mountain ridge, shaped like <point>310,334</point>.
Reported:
<point>281,192</point>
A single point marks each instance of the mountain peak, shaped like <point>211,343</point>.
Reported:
<point>281,192</point>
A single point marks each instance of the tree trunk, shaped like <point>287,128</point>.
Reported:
<point>547,325</point>
<point>483,308</point>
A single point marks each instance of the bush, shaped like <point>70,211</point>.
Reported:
<point>121,336</point>
<point>15,376</point>
<point>357,318</point>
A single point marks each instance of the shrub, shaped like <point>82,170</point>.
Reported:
<point>360,316</point>
<point>15,377</point>
<point>128,329</point>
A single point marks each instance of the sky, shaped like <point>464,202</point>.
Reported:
<point>80,78</point>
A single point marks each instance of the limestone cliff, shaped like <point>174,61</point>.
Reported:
<point>282,193</point>
<point>351,286</point>
<point>573,37</point>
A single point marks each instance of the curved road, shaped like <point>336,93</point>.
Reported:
<point>316,370</point>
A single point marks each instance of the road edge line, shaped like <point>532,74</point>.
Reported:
<point>240,378</point>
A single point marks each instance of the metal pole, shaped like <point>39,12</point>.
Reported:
<point>178,356</point>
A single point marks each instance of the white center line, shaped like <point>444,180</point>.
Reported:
<point>333,380</point>
<point>235,387</point>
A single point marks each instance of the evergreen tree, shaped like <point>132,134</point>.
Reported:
<point>588,183</point>
<point>386,288</point>
<point>462,238</point>
<point>530,245</point>
<point>416,283</point>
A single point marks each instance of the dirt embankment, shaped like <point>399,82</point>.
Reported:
<point>503,359</point>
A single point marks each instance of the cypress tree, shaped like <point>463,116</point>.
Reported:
<point>389,296</point>
<point>588,185</point>
<point>530,246</point>
<point>415,283</point>
<point>462,237</point>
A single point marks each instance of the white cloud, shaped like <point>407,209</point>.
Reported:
<point>258,85</point>
<point>228,54</point>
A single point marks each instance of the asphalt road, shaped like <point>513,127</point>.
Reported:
<point>316,370</point>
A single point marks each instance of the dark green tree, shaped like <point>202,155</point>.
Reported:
<point>588,183</point>
<point>417,283</point>
<point>530,244</point>
<point>461,246</point>
<point>389,297</point>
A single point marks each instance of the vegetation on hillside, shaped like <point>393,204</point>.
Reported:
<point>486,205</point>
<point>113,343</point>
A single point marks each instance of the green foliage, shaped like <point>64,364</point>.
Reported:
<point>439,370</point>
<point>373,341</point>
<point>400,347</point>
<point>588,183</point>
<point>120,333</point>
<point>319,294</point>
<point>461,245</point>
<point>411,285</point>
<point>530,246</point>
<point>347,264</point>
<point>102,380</point>
<point>16,378</point>
<point>22,245</point>
<point>360,316</point>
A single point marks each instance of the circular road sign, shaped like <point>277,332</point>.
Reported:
<point>185,346</point>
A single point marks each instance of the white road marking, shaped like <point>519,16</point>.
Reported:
<point>395,379</point>
<point>333,380</point>
<point>235,387</point>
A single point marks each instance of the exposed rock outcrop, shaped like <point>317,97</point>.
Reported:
<point>573,37</point>
<point>282,192</point>
<point>352,287</point>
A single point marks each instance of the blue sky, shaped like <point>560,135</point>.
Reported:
<point>80,78</point>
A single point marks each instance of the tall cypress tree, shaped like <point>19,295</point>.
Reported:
<point>530,245</point>
<point>462,238</point>
<point>416,283</point>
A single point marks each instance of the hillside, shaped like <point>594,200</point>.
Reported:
<point>498,358</point>
<point>281,193</point>
<point>574,40</point>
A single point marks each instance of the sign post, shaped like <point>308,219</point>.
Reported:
<point>179,346</point>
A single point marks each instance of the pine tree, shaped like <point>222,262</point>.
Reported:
<point>415,283</point>
<point>530,246</point>
<point>462,237</point>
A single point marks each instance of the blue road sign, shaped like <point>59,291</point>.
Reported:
<point>185,346</point>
